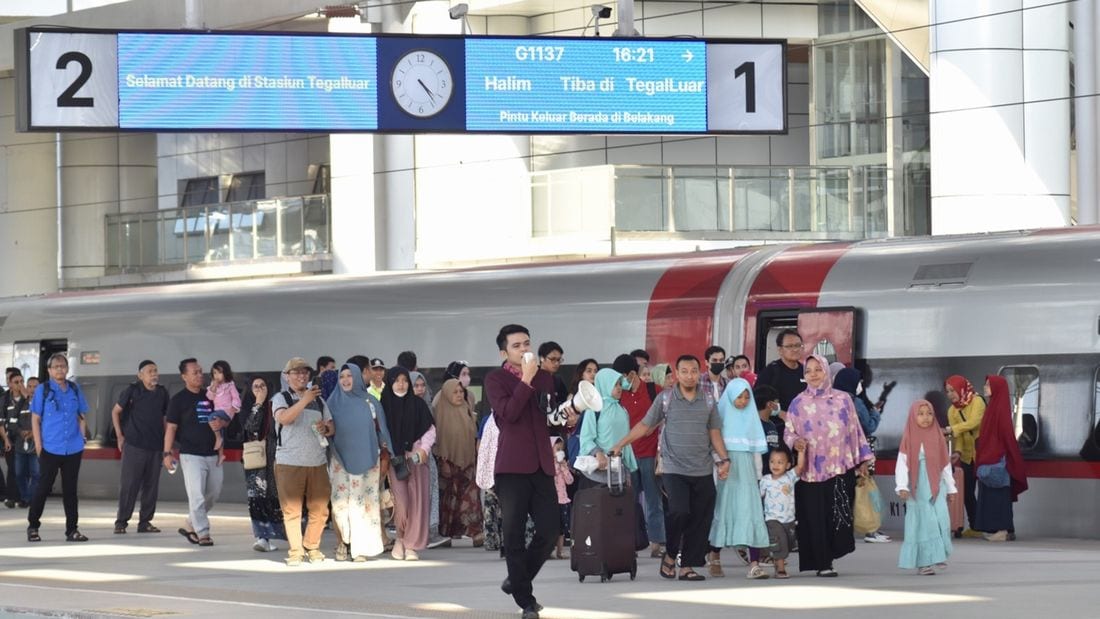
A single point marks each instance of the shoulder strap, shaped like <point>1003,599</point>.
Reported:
<point>288,398</point>
<point>666,399</point>
<point>651,389</point>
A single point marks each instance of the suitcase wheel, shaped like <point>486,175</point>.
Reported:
<point>605,577</point>
<point>580,577</point>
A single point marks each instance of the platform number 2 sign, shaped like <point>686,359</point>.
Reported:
<point>745,87</point>
<point>73,79</point>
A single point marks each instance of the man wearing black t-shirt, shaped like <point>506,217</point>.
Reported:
<point>189,421</point>
<point>785,373</point>
<point>138,418</point>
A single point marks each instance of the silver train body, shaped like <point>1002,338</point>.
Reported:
<point>1025,304</point>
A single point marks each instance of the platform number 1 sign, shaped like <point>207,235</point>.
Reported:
<point>745,87</point>
<point>74,80</point>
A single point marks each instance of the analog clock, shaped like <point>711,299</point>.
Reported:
<point>422,83</point>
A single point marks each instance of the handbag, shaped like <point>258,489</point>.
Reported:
<point>994,475</point>
<point>400,467</point>
<point>866,519</point>
<point>254,455</point>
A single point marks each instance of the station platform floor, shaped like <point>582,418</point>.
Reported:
<point>162,575</point>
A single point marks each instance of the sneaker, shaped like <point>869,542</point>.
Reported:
<point>293,561</point>
<point>439,542</point>
<point>876,538</point>
<point>315,556</point>
<point>260,545</point>
<point>757,573</point>
<point>410,555</point>
<point>972,534</point>
<point>9,504</point>
<point>999,536</point>
<point>271,547</point>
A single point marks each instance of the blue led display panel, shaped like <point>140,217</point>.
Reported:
<point>586,85</point>
<point>247,82</point>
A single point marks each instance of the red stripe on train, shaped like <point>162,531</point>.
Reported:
<point>1038,469</point>
<point>680,317</point>
<point>110,453</point>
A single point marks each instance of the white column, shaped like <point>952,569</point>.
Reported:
<point>1085,66</point>
<point>355,233</point>
<point>998,163</point>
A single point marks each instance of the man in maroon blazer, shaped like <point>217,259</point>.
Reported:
<point>520,394</point>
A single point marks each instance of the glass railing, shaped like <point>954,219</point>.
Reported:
<point>217,233</point>
<point>808,202</point>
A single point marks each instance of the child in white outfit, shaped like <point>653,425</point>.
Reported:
<point>778,492</point>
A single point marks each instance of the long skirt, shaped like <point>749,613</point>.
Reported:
<point>356,509</point>
<point>411,506</point>
<point>994,511</point>
<point>459,501</point>
<point>927,525</point>
<point>263,503</point>
<point>738,512</point>
<point>824,513</point>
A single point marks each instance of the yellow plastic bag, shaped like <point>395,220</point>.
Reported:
<point>866,519</point>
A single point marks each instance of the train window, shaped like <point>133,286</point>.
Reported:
<point>1023,385</point>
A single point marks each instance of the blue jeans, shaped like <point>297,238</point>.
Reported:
<point>645,480</point>
<point>26,475</point>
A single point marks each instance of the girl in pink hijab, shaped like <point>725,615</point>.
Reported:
<point>924,478</point>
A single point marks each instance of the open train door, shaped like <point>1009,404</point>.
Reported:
<point>832,332</point>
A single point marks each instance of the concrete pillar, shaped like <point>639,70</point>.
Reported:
<point>999,115</point>
<point>1085,68</point>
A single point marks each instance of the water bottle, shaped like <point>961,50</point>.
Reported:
<point>174,467</point>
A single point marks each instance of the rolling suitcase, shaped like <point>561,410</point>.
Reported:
<point>956,507</point>
<point>604,524</point>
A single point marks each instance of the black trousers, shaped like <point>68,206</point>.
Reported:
<point>970,488</point>
<point>49,464</point>
<point>9,488</point>
<point>140,475</point>
<point>688,515</point>
<point>521,495</point>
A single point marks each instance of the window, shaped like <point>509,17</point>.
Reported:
<point>247,186</point>
<point>204,190</point>
<point>1023,391</point>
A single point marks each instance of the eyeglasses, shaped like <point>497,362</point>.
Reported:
<point>555,359</point>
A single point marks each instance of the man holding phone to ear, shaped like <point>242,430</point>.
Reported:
<point>524,471</point>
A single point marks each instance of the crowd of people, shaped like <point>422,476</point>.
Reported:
<point>718,456</point>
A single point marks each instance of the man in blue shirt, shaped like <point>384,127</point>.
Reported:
<point>59,429</point>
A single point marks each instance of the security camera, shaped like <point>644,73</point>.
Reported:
<point>459,11</point>
<point>601,11</point>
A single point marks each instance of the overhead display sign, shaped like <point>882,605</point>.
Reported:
<point>239,81</point>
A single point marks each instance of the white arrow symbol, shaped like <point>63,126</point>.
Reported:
<point>687,55</point>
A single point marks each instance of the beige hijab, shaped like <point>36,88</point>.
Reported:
<point>456,428</point>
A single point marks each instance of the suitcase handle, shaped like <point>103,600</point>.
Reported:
<point>616,475</point>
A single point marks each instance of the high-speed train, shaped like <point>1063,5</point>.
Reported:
<point>1022,304</point>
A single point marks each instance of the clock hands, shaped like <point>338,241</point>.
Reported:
<point>431,94</point>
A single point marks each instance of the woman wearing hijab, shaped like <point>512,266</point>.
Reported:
<point>456,453</point>
<point>354,468</point>
<point>997,448</point>
<point>601,431</point>
<point>965,421</point>
<point>850,381</point>
<point>263,498</point>
<point>923,479</point>
<point>824,422</point>
<point>459,371</point>
<point>421,390</point>
<point>738,512</point>
<point>410,424</point>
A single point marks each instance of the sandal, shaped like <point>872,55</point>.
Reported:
<point>190,535</point>
<point>75,536</point>
<point>827,573</point>
<point>781,574</point>
<point>692,575</point>
<point>32,535</point>
<point>120,530</point>
<point>205,541</point>
<point>668,568</point>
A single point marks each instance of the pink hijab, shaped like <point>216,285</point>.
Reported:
<point>935,448</point>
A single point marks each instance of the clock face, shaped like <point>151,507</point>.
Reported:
<point>422,83</point>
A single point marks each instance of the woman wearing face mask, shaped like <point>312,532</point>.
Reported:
<point>263,498</point>
<point>460,371</point>
<point>604,429</point>
<point>823,421</point>
<point>421,390</point>
<point>413,433</point>
<point>849,381</point>
<point>354,468</point>
<point>456,456</point>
